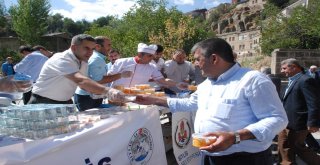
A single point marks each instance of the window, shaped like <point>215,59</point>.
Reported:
<point>241,37</point>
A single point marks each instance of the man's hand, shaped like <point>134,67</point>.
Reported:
<point>182,86</point>
<point>148,100</point>
<point>8,84</point>
<point>126,74</point>
<point>115,95</point>
<point>224,141</point>
<point>313,129</point>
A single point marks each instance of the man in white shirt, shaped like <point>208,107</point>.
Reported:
<point>64,71</point>
<point>141,68</point>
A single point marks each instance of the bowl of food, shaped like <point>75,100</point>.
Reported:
<point>199,140</point>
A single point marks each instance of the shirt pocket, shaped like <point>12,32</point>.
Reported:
<point>222,108</point>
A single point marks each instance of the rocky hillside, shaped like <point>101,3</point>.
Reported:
<point>241,18</point>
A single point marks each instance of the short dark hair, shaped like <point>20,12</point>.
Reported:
<point>27,48</point>
<point>159,49</point>
<point>266,70</point>
<point>179,51</point>
<point>77,39</point>
<point>39,47</point>
<point>216,46</point>
<point>114,51</point>
<point>100,40</point>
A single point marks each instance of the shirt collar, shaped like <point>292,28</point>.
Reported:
<point>296,76</point>
<point>227,74</point>
<point>100,55</point>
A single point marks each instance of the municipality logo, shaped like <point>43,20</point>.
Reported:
<point>140,147</point>
<point>183,133</point>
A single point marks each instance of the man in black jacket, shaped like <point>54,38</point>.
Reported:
<point>300,101</point>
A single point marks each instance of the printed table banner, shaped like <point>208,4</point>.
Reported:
<point>182,129</point>
<point>131,138</point>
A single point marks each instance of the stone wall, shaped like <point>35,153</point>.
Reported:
<point>9,43</point>
<point>55,44</point>
<point>305,57</point>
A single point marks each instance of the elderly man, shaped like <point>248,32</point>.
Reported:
<point>97,72</point>
<point>141,67</point>
<point>64,71</point>
<point>232,105</point>
<point>301,102</point>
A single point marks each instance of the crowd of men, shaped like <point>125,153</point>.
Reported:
<point>243,108</point>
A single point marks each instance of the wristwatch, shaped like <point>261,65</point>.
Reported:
<point>237,138</point>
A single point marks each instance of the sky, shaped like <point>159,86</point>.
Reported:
<point>93,9</point>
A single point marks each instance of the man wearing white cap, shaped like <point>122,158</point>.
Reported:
<point>141,67</point>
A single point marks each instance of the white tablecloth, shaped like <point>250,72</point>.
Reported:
<point>134,137</point>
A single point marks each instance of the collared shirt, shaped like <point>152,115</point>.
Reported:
<point>108,66</point>
<point>159,64</point>
<point>291,79</point>
<point>31,64</point>
<point>52,82</point>
<point>141,72</point>
<point>7,68</point>
<point>238,99</point>
<point>96,69</point>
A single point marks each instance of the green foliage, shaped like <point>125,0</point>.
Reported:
<point>75,28</point>
<point>102,21</point>
<point>278,3</point>
<point>148,18</point>
<point>4,53</point>
<point>55,23</point>
<point>30,19</point>
<point>299,31</point>
<point>2,14</point>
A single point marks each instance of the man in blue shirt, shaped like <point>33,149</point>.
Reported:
<point>30,65</point>
<point>7,67</point>
<point>238,106</point>
<point>97,71</point>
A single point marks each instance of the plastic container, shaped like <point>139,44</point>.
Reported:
<point>198,140</point>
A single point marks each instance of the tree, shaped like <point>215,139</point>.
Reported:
<point>55,23</point>
<point>75,28</point>
<point>2,14</point>
<point>299,31</point>
<point>3,20</point>
<point>29,19</point>
<point>179,35</point>
<point>148,18</point>
<point>102,21</point>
